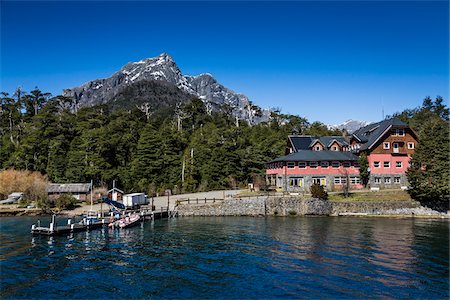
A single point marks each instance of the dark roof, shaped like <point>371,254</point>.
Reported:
<point>310,155</point>
<point>370,134</point>
<point>69,188</point>
<point>304,142</point>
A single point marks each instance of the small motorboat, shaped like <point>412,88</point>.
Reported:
<point>126,221</point>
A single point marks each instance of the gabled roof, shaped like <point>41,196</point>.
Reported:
<point>310,155</point>
<point>332,141</point>
<point>115,189</point>
<point>370,134</point>
<point>315,142</point>
<point>69,188</point>
<point>304,142</point>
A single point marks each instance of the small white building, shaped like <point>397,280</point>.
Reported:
<point>115,194</point>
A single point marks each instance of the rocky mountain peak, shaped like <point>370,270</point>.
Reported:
<point>160,68</point>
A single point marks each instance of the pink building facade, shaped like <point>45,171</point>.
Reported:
<point>333,161</point>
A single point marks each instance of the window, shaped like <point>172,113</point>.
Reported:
<point>399,132</point>
<point>346,164</point>
<point>337,180</point>
<point>386,145</point>
<point>336,164</point>
<point>302,164</point>
<point>398,164</point>
<point>296,181</point>
<point>376,164</point>
<point>290,165</point>
<point>356,164</point>
<point>410,145</point>
<point>317,148</point>
<point>313,164</point>
<point>387,180</point>
<point>386,164</point>
<point>319,180</point>
<point>335,148</point>
<point>354,180</point>
<point>324,164</point>
<point>377,180</point>
<point>397,180</point>
<point>395,147</point>
<point>343,180</point>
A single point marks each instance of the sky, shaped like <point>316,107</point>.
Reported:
<point>326,61</point>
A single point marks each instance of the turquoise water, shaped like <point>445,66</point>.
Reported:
<point>230,257</point>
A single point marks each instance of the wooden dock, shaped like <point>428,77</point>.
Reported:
<point>55,229</point>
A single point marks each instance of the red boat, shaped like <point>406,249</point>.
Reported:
<point>126,221</point>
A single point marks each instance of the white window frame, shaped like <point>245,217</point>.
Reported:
<point>411,145</point>
<point>313,164</point>
<point>302,164</point>
<point>377,164</point>
<point>346,164</point>
<point>354,180</point>
<point>317,148</point>
<point>399,164</point>
<point>291,165</point>
<point>296,181</point>
<point>386,145</point>
<point>314,179</point>
<point>335,148</point>
<point>337,180</point>
<point>387,180</point>
<point>397,180</point>
<point>377,180</point>
<point>388,163</point>
<point>334,163</point>
<point>324,164</point>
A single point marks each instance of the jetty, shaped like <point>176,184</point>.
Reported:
<point>100,221</point>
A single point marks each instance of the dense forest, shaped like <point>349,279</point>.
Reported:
<point>183,148</point>
<point>429,173</point>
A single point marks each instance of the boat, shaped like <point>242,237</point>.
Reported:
<point>128,221</point>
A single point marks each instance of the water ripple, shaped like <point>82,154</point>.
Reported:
<point>230,258</point>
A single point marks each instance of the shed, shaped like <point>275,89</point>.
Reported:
<point>115,194</point>
<point>78,190</point>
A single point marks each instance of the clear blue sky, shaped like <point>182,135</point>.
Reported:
<point>327,61</point>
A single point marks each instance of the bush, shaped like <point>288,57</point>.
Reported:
<point>32,184</point>
<point>65,202</point>
<point>318,191</point>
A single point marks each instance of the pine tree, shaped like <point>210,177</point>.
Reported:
<point>364,173</point>
<point>429,174</point>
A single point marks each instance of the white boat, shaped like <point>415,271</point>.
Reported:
<point>126,221</point>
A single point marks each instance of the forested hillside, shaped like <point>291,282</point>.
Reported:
<point>184,147</point>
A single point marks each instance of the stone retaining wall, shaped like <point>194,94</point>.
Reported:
<point>370,207</point>
<point>284,206</point>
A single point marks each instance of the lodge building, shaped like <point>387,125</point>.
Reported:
<point>332,161</point>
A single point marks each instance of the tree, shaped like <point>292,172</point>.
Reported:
<point>318,191</point>
<point>429,173</point>
<point>364,173</point>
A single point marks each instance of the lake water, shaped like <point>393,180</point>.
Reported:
<point>230,257</point>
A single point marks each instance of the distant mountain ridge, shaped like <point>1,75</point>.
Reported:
<point>350,125</point>
<point>163,68</point>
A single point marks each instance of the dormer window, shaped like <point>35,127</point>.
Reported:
<point>335,148</point>
<point>317,148</point>
<point>399,132</point>
<point>386,145</point>
<point>410,145</point>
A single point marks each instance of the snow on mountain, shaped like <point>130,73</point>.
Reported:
<point>164,68</point>
<point>349,125</point>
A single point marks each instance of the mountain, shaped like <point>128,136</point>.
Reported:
<point>349,125</point>
<point>163,69</point>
